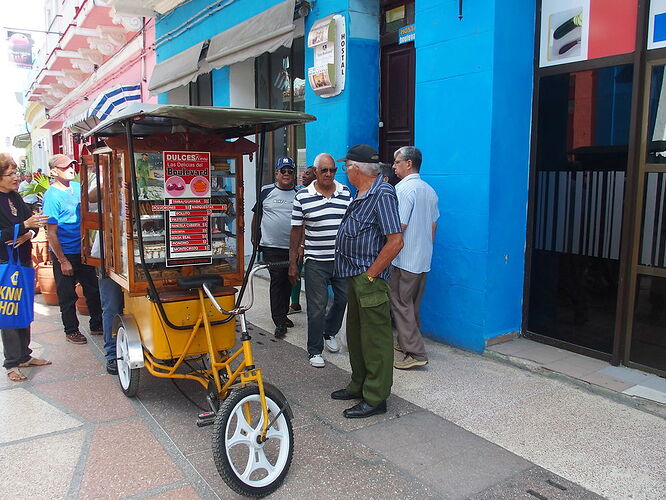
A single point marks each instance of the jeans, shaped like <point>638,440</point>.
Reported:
<point>112,304</point>
<point>280,287</point>
<point>318,275</point>
<point>66,288</point>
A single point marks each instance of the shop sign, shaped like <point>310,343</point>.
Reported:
<point>328,40</point>
<point>580,30</point>
<point>657,25</point>
<point>407,34</point>
<point>187,195</point>
<point>19,46</point>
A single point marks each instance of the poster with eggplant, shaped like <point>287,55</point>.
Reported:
<point>564,31</point>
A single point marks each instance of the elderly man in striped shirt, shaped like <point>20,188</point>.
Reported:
<point>369,238</point>
<point>318,210</point>
<point>417,204</point>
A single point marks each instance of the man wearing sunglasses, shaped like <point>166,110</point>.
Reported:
<point>62,203</point>
<point>276,203</point>
<point>318,211</point>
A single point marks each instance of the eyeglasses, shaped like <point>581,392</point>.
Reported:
<point>400,161</point>
<point>71,165</point>
<point>15,174</point>
<point>287,171</point>
<point>327,170</point>
<point>347,166</point>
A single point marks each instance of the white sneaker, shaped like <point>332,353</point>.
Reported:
<point>317,361</point>
<point>331,344</point>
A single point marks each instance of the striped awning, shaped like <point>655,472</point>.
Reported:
<point>106,104</point>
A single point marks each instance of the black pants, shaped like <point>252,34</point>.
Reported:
<point>66,288</point>
<point>15,342</point>
<point>280,288</point>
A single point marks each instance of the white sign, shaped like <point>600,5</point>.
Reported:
<point>657,25</point>
<point>327,77</point>
<point>565,28</point>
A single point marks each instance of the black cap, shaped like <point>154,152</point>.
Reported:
<point>362,153</point>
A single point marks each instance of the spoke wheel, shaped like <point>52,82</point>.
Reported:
<point>127,376</point>
<point>247,466</point>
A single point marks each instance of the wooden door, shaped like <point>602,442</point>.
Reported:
<point>396,127</point>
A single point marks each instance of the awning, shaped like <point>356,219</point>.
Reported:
<point>21,140</point>
<point>108,102</point>
<point>265,32</point>
<point>178,70</point>
<point>226,122</point>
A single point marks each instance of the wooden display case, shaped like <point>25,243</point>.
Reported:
<point>116,213</point>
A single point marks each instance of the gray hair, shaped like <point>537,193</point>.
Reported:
<point>410,153</point>
<point>367,168</point>
<point>320,157</point>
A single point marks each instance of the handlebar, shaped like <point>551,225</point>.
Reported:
<point>243,307</point>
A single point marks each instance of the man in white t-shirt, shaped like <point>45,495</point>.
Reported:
<point>30,199</point>
<point>276,202</point>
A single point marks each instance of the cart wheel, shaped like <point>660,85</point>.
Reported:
<point>127,376</point>
<point>248,467</point>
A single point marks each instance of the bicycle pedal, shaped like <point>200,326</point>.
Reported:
<point>205,419</point>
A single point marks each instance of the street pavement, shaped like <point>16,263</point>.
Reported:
<point>465,426</point>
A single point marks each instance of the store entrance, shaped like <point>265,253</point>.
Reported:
<point>396,113</point>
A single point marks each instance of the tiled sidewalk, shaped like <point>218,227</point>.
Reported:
<point>594,371</point>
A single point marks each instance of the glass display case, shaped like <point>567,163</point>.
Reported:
<point>201,178</point>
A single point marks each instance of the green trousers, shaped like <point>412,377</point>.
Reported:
<point>369,338</point>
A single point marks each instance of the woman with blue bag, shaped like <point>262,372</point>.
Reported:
<point>17,227</point>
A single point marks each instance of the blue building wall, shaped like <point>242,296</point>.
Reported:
<point>473,114</point>
<point>474,83</point>
<point>352,116</point>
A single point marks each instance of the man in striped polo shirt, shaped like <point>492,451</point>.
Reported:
<point>417,204</point>
<point>369,238</point>
<point>318,210</point>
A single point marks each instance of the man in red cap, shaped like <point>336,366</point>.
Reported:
<point>62,203</point>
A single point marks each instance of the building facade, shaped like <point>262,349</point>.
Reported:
<point>96,58</point>
<point>541,129</point>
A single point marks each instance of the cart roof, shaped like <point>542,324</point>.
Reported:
<point>168,118</point>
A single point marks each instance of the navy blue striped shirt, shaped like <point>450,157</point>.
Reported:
<point>363,230</point>
<point>321,217</point>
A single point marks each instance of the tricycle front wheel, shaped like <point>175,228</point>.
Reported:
<point>248,466</point>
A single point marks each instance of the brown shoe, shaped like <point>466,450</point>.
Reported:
<point>96,332</point>
<point>76,338</point>
<point>397,347</point>
<point>409,362</point>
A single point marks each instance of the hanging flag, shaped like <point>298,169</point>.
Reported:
<point>19,45</point>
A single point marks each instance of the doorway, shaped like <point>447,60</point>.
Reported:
<point>397,79</point>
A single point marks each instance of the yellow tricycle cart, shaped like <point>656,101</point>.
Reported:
<point>162,213</point>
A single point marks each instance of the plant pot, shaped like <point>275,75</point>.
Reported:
<point>81,303</point>
<point>47,283</point>
<point>40,248</point>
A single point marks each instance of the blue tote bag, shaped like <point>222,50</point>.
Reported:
<point>17,291</point>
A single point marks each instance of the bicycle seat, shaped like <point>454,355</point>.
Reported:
<point>194,282</point>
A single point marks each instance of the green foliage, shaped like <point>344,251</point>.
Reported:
<point>39,188</point>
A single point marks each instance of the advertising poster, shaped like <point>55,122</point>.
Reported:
<point>19,46</point>
<point>657,25</point>
<point>579,30</point>
<point>187,192</point>
<point>565,27</point>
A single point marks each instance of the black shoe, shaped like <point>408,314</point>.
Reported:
<point>344,395</point>
<point>112,367</point>
<point>280,331</point>
<point>363,410</point>
<point>289,323</point>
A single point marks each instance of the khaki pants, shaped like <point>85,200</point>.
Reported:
<point>406,294</point>
<point>369,338</point>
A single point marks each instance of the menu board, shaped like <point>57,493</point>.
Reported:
<point>187,193</point>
